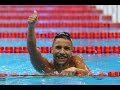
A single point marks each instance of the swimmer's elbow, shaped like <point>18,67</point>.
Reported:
<point>38,69</point>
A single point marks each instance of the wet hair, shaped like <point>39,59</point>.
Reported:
<point>64,35</point>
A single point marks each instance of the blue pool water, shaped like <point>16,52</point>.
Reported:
<point>84,42</point>
<point>48,42</point>
<point>45,30</point>
<point>20,63</point>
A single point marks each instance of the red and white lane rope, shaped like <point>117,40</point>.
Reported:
<point>110,74</point>
<point>45,6</point>
<point>70,17</point>
<point>63,24</point>
<point>54,17</point>
<point>74,35</point>
<point>55,11</point>
<point>78,49</point>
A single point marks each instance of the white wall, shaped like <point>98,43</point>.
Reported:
<point>113,10</point>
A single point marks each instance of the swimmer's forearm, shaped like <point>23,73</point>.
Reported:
<point>84,71</point>
<point>31,38</point>
<point>31,33</point>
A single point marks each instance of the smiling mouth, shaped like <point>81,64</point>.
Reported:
<point>61,58</point>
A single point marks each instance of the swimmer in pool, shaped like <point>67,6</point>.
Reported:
<point>63,61</point>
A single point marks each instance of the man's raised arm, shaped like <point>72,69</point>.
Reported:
<point>39,62</point>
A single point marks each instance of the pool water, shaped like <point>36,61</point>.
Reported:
<point>60,80</point>
<point>48,42</point>
<point>20,63</point>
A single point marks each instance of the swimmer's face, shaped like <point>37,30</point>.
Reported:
<point>61,50</point>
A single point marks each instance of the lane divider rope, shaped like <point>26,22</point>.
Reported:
<point>63,24</point>
<point>70,17</point>
<point>44,6</point>
<point>100,74</point>
<point>56,11</point>
<point>74,35</point>
<point>88,17</point>
<point>78,49</point>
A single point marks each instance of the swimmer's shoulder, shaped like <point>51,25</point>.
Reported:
<point>76,58</point>
<point>47,62</point>
<point>51,63</point>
